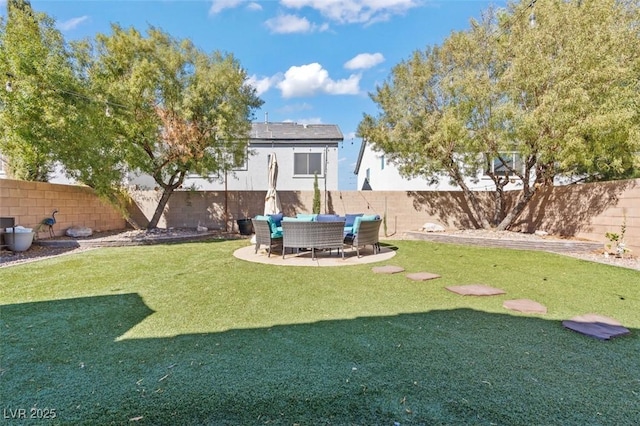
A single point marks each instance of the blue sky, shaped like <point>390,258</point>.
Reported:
<point>312,61</point>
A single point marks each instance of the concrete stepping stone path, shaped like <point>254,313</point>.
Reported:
<point>387,269</point>
<point>525,305</point>
<point>594,325</point>
<point>422,276</point>
<point>475,290</point>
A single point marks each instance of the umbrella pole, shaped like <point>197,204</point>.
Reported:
<point>226,203</point>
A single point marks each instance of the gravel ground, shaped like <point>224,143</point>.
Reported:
<point>137,237</point>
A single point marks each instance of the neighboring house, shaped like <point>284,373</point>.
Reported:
<point>57,176</point>
<point>302,150</point>
<point>375,172</point>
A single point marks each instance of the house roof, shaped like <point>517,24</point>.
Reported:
<point>288,131</point>
<point>360,155</point>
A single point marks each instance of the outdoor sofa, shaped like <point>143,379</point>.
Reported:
<point>317,231</point>
<point>312,235</point>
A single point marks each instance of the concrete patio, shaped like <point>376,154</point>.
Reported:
<point>323,258</point>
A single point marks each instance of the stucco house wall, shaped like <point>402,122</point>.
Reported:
<point>375,172</point>
<point>289,142</point>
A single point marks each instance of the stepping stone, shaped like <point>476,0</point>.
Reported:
<point>525,305</point>
<point>388,269</point>
<point>475,290</point>
<point>422,276</point>
<point>594,325</point>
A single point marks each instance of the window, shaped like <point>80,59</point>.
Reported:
<point>240,161</point>
<point>511,159</point>
<point>307,163</point>
<point>382,162</point>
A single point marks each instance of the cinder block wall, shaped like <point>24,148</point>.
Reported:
<point>583,211</point>
<point>588,211</point>
<point>31,202</point>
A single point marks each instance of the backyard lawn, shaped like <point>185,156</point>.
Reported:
<point>187,334</point>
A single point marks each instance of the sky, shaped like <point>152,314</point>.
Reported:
<point>311,61</point>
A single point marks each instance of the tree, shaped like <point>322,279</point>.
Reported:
<point>36,115</point>
<point>175,110</point>
<point>562,94</point>
<point>316,195</point>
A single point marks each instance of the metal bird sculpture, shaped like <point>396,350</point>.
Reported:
<point>50,221</point>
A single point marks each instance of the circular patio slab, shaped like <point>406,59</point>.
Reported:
<point>323,258</point>
<point>525,305</point>
<point>475,290</point>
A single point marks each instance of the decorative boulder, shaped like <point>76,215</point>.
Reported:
<point>432,227</point>
<point>79,231</point>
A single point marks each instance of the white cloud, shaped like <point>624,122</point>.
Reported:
<point>263,84</point>
<point>310,79</point>
<point>287,24</point>
<point>355,11</point>
<point>218,6</point>
<point>72,23</point>
<point>364,61</point>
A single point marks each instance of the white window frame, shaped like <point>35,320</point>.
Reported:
<point>308,154</point>
<point>515,161</point>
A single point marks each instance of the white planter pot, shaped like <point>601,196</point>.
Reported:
<point>18,241</point>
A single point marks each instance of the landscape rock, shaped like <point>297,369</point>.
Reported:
<point>79,232</point>
<point>432,227</point>
<point>541,233</point>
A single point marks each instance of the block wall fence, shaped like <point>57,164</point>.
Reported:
<point>586,211</point>
<point>31,202</point>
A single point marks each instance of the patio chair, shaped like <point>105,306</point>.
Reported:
<point>367,233</point>
<point>266,234</point>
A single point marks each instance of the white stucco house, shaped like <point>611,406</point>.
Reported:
<point>302,150</point>
<point>374,172</point>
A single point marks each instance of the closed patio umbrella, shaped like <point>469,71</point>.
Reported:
<point>271,201</point>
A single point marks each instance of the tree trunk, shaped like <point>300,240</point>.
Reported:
<point>167,190</point>
<point>498,213</point>
<point>476,208</point>
<point>166,194</point>
<point>523,200</point>
<point>469,196</point>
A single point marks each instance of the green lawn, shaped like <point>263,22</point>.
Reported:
<point>188,334</point>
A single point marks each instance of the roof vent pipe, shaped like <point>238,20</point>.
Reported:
<point>266,117</point>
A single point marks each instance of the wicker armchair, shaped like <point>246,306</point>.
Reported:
<point>312,235</point>
<point>264,236</point>
<point>368,234</point>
